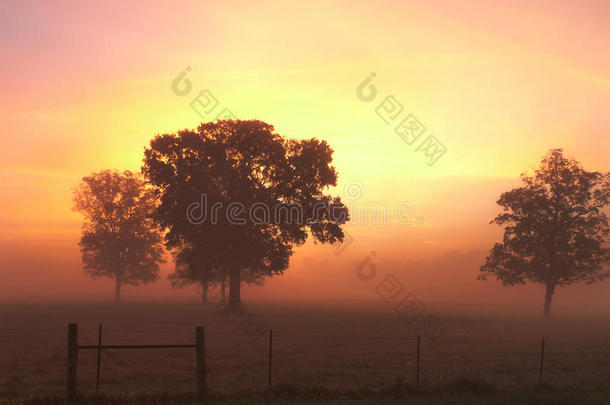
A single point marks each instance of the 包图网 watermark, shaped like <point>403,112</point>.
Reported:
<point>205,103</point>
<point>408,127</point>
<point>408,307</point>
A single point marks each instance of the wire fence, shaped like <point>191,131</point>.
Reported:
<point>34,360</point>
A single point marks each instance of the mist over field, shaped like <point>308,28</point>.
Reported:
<point>317,275</point>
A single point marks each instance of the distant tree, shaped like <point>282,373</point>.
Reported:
<point>243,164</point>
<point>119,238</point>
<point>195,267</point>
<point>555,232</point>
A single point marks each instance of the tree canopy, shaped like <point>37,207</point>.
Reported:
<point>269,192</point>
<point>555,230</point>
<point>119,238</point>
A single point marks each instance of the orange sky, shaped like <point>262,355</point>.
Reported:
<point>86,85</point>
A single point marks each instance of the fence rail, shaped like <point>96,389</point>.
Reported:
<point>138,347</point>
<point>74,347</point>
<point>201,368</point>
<point>285,356</point>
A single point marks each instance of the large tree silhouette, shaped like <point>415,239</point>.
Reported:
<point>555,232</point>
<point>245,168</point>
<point>119,239</point>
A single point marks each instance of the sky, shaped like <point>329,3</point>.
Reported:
<point>86,86</point>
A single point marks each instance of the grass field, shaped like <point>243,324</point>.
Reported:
<point>547,396</point>
<point>343,349</point>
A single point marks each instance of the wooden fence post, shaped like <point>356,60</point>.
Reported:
<point>201,367</point>
<point>541,361</point>
<point>72,360</point>
<point>418,353</point>
<point>270,352</point>
<point>99,358</point>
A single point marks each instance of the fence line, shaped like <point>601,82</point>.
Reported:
<point>284,335</point>
<point>74,347</point>
<point>201,367</point>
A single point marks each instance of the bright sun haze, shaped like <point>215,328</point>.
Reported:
<point>86,88</point>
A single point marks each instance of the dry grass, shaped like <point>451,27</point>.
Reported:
<point>340,349</point>
<point>440,395</point>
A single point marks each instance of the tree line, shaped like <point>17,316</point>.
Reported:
<point>132,219</point>
<point>555,227</point>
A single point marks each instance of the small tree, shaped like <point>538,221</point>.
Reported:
<point>555,232</point>
<point>119,238</point>
<point>194,267</point>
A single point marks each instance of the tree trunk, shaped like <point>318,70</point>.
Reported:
<point>234,289</point>
<point>548,297</point>
<point>204,292</point>
<point>117,290</point>
<point>223,291</point>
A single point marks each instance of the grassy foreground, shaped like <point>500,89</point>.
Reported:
<point>456,394</point>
